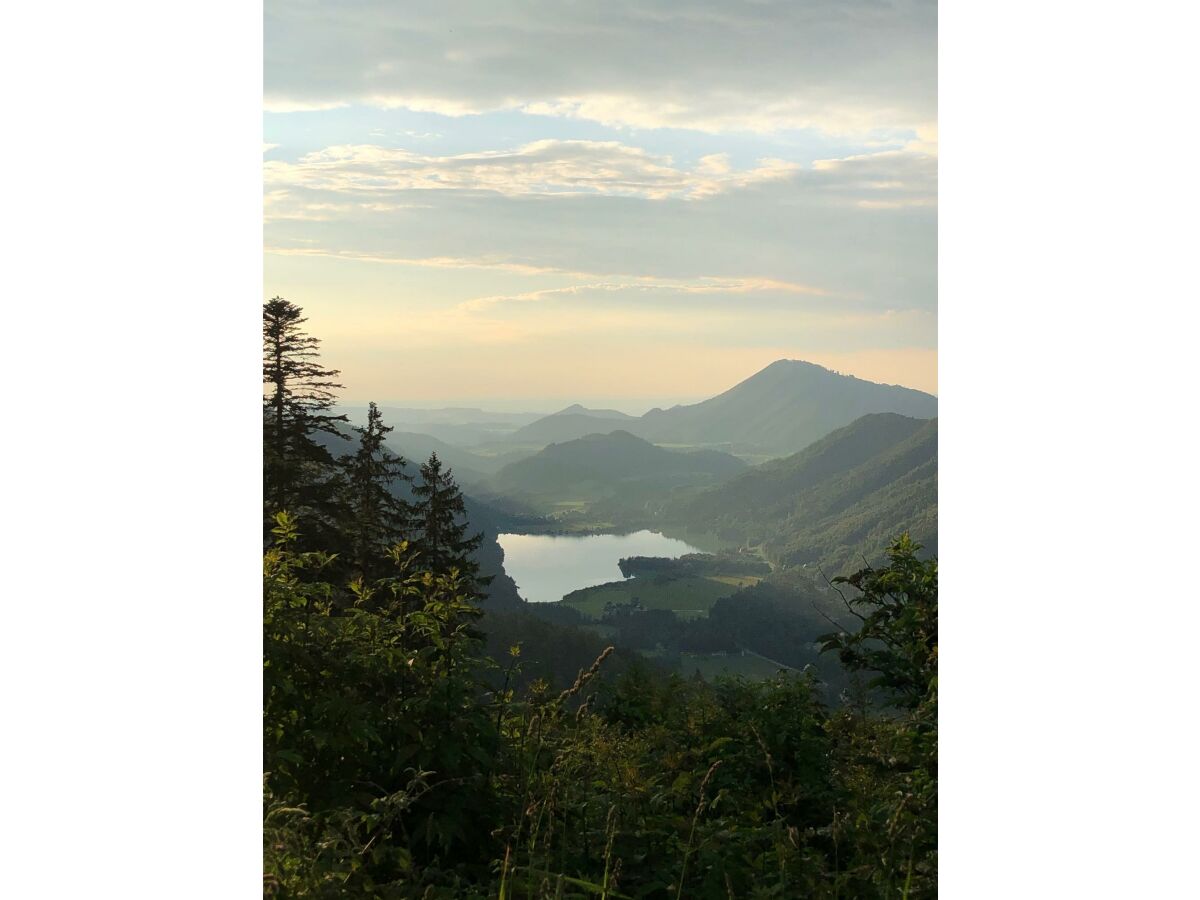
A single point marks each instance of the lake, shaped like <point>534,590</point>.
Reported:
<point>547,566</point>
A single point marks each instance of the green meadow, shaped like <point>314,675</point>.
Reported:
<point>688,597</point>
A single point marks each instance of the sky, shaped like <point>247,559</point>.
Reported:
<point>526,204</point>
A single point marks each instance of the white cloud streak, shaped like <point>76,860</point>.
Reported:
<point>540,167</point>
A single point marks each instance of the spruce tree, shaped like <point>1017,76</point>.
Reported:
<point>299,473</point>
<point>441,516</point>
<point>374,475</point>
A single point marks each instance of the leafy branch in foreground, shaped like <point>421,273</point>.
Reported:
<point>897,608</point>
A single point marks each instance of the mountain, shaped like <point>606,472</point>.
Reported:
<point>599,465</point>
<point>842,498</point>
<point>574,422</point>
<point>578,409</point>
<point>784,408</point>
<point>779,410</point>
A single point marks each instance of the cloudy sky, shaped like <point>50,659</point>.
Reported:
<point>633,203</point>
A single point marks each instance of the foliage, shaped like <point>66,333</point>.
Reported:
<point>371,717</point>
<point>889,766</point>
<point>400,763</point>
<point>897,639</point>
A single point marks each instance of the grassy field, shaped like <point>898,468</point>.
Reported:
<point>688,597</point>
<point>711,665</point>
<point>737,580</point>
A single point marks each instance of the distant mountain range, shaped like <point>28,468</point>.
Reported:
<point>840,499</point>
<point>777,411</point>
<point>578,409</point>
<point>464,427</point>
<point>781,409</point>
<point>447,415</point>
<point>785,407</point>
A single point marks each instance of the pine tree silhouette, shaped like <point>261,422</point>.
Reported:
<point>299,473</point>
<point>441,516</point>
<point>378,517</point>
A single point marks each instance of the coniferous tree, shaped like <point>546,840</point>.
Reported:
<point>378,517</point>
<point>299,473</point>
<point>441,516</point>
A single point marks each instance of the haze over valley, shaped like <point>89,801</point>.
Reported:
<point>798,468</point>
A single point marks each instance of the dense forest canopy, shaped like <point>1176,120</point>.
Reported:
<point>426,735</point>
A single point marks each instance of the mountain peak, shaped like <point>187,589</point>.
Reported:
<point>792,365</point>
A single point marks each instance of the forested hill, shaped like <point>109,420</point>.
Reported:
<point>601,462</point>
<point>784,408</point>
<point>834,502</point>
<point>575,421</point>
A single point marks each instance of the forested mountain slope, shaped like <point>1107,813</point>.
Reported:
<point>838,500</point>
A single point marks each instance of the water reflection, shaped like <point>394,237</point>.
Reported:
<point>547,566</point>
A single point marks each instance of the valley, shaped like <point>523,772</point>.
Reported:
<point>708,543</point>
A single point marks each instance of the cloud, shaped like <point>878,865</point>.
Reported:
<point>647,284</point>
<point>860,228</point>
<point>432,262</point>
<point>879,180</point>
<point>540,167</point>
<point>841,66</point>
